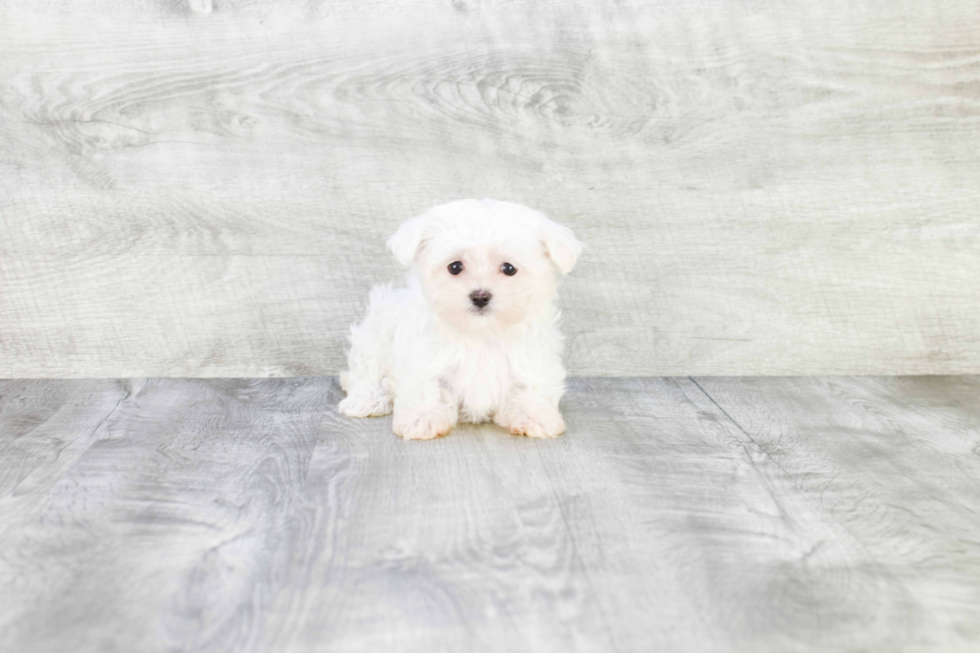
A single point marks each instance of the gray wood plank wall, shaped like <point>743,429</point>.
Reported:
<point>765,187</point>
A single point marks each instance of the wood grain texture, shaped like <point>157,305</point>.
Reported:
<point>893,460</point>
<point>807,514</point>
<point>204,188</point>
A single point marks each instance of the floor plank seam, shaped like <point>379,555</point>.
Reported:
<point>578,555</point>
<point>740,428</point>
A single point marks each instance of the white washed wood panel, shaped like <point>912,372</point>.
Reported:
<point>764,188</point>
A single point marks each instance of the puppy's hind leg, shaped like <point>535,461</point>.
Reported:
<point>365,400</point>
<point>367,360</point>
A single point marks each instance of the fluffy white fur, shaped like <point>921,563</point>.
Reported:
<point>430,354</point>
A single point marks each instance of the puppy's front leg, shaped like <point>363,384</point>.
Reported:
<point>527,412</point>
<point>423,410</point>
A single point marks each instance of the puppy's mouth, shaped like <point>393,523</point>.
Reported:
<point>480,310</point>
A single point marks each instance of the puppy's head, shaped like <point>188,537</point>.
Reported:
<point>486,265</point>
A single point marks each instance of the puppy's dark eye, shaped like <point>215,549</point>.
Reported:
<point>508,269</point>
<point>455,267</point>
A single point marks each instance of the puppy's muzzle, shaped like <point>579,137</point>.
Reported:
<point>480,298</point>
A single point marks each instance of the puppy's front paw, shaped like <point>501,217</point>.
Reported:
<point>365,401</point>
<point>422,423</point>
<point>543,421</point>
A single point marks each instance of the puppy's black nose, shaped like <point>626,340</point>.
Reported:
<point>480,298</point>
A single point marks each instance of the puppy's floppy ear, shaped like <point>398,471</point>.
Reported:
<point>407,240</point>
<point>560,244</point>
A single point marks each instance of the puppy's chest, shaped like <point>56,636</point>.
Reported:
<point>480,378</point>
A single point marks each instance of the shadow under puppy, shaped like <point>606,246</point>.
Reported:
<point>474,336</point>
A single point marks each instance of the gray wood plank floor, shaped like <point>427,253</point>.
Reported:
<point>686,514</point>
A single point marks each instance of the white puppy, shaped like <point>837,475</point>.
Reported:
<point>474,336</point>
